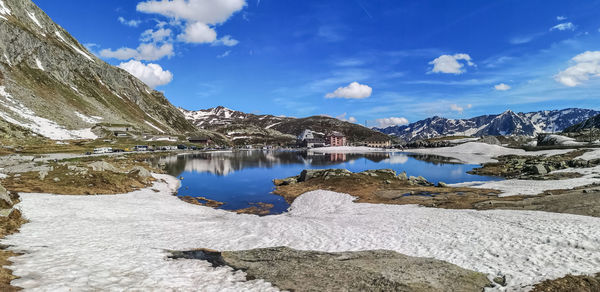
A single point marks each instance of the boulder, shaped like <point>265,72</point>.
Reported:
<point>102,166</point>
<point>141,171</point>
<point>377,270</point>
<point>5,200</point>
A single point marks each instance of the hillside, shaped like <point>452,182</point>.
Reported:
<point>53,86</point>
<point>591,123</point>
<point>250,128</point>
<point>507,123</point>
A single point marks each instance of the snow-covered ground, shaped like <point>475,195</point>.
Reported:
<point>350,149</point>
<point>513,187</point>
<point>119,242</point>
<point>479,153</point>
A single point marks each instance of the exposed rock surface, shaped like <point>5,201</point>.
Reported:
<point>46,73</point>
<point>570,283</point>
<point>377,270</point>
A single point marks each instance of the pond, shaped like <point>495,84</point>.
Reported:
<point>241,179</point>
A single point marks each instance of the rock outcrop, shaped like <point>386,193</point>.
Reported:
<point>52,85</point>
<point>377,270</point>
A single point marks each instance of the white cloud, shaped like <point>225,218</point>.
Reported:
<point>459,109</point>
<point>392,121</point>
<point>132,23</point>
<point>200,17</point>
<point>159,35</point>
<point>450,64</point>
<point>561,18</point>
<point>151,74</point>
<point>198,32</point>
<point>587,65</point>
<point>349,119</point>
<point>225,41</point>
<point>354,90</point>
<point>146,52</point>
<point>225,54</point>
<point>502,87</point>
<point>563,26</point>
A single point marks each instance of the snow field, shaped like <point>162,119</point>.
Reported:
<point>119,242</point>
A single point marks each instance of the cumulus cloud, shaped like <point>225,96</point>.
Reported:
<point>151,74</point>
<point>146,52</point>
<point>349,119</point>
<point>198,32</point>
<point>587,65</point>
<point>391,121</point>
<point>450,64</point>
<point>132,23</point>
<point>156,36</point>
<point>200,16</point>
<point>502,87</point>
<point>459,109</point>
<point>563,26</point>
<point>354,91</point>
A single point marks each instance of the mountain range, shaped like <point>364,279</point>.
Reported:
<point>246,128</point>
<point>506,123</point>
<point>52,86</point>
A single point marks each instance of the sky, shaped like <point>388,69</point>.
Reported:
<point>379,62</point>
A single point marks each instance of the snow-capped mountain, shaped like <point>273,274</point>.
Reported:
<point>506,123</point>
<point>243,127</point>
<point>591,123</point>
<point>52,86</point>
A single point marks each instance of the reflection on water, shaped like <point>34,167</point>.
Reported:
<point>241,178</point>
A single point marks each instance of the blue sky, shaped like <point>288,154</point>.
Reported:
<point>382,61</point>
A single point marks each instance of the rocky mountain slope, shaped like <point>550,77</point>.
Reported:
<point>52,85</point>
<point>593,122</point>
<point>506,123</point>
<point>250,128</point>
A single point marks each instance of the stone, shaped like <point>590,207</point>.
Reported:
<point>377,270</point>
<point>102,166</point>
<point>5,199</point>
<point>402,176</point>
<point>56,179</point>
<point>141,171</point>
<point>442,184</point>
<point>500,280</point>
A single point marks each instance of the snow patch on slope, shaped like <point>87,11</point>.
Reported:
<point>35,20</point>
<point>42,126</point>
<point>155,127</point>
<point>39,64</point>
<point>3,9</point>
<point>137,228</point>
<point>76,49</point>
<point>88,119</point>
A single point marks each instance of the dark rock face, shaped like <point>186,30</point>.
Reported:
<point>507,123</point>
<point>377,270</point>
<point>51,74</point>
<point>593,122</point>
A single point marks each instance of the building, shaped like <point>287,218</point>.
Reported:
<point>313,143</point>
<point>336,139</point>
<point>200,140</point>
<point>379,143</point>
<point>306,134</point>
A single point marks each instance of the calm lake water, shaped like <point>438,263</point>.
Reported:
<point>244,177</point>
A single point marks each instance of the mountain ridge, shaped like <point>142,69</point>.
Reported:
<point>242,126</point>
<point>52,85</point>
<point>506,123</point>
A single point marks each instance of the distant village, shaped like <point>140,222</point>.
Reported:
<point>307,139</point>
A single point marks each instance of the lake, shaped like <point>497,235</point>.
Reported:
<point>241,178</point>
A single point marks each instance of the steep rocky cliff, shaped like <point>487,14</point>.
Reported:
<point>53,86</point>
